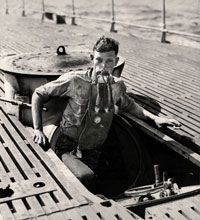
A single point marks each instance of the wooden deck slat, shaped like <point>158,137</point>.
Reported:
<point>13,171</point>
<point>185,108</point>
<point>118,211</point>
<point>49,165</point>
<point>157,74</point>
<point>25,150</point>
<point>164,91</point>
<point>172,215</point>
<point>58,216</point>
<point>125,215</point>
<point>177,104</point>
<point>6,212</point>
<point>161,107</point>
<point>63,202</point>
<point>153,88</point>
<point>173,111</point>
<point>36,163</point>
<point>184,130</point>
<point>36,209</point>
<point>188,211</point>
<point>105,212</point>
<point>170,107</point>
<point>21,211</point>
<point>141,97</point>
<point>177,209</point>
<point>72,214</point>
<point>194,200</point>
<point>17,155</point>
<point>187,66</point>
<point>37,166</point>
<point>166,59</point>
<point>4,177</point>
<point>186,118</point>
<point>88,212</point>
<point>1,92</point>
<point>153,79</point>
<point>164,85</point>
<point>171,76</point>
<point>157,216</point>
<point>5,180</point>
<point>189,101</point>
<point>49,205</point>
<point>161,68</point>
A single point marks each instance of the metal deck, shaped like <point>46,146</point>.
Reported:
<point>187,208</point>
<point>42,185</point>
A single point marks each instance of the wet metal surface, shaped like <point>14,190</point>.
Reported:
<point>46,63</point>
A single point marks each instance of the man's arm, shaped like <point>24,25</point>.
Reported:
<point>127,104</point>
<point>37,105</point>
<point>57,88</point>
<point>142,113</point>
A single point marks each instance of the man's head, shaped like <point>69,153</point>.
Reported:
<point>106,44</point>
<point>105,53</point>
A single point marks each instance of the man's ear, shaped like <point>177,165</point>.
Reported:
<point>91,56</point>
<point>116,60</point>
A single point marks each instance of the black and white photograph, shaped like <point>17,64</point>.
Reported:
<point>100,109</point>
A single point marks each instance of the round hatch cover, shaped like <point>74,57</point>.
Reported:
<point>46,63</point>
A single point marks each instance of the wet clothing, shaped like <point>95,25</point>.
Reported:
<point>87,118</point>
<point>81,95</point>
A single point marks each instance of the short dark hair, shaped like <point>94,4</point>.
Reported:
<point>106,44</point>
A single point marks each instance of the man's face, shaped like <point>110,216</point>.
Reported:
<point>104,61</point>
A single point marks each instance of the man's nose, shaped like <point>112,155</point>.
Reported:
<point>103,66</point>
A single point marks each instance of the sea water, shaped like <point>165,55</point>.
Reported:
<point>181,15</point>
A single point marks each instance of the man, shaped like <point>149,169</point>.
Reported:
<point>91,100</point>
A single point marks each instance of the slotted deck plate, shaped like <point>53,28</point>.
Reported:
<point>42,185</point>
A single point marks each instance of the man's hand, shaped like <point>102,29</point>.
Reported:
<point>160,121</point>
<point>39,137</point>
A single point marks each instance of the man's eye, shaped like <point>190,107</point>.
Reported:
<point>98,60</point>
<point>110,62</point>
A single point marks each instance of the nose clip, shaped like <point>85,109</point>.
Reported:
<point>104,73</point>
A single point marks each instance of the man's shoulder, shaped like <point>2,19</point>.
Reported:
<point>119,81</point>
<point>119,84</point>
<point>75,75</point>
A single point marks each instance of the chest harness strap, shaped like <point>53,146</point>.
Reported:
<point>98,118</point>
